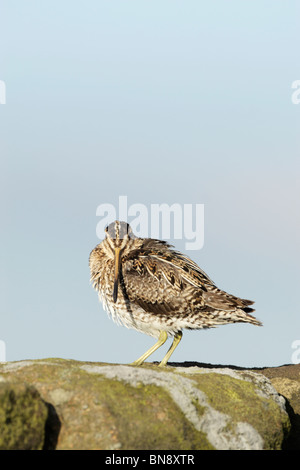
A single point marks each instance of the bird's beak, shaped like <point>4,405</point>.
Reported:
<point>117,270</point>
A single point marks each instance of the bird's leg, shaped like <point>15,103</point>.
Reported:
<point>163,336</point>
<point>174,345</point>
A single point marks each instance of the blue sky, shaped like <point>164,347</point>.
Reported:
<point>164,102</point>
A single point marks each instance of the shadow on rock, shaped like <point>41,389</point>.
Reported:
<point>292,442</point>
<point>52,428</point>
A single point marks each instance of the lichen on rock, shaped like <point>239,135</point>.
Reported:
<point>121,407</point>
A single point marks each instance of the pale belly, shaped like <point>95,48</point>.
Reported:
<point>138,319</point>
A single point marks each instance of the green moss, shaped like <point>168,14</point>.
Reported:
<point>146,417</point>
<point>239,400</point>
<point>103,413</point>
<point>22,418</point>
<point>137,417</point>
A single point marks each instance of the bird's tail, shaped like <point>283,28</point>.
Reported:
<point>231,308</point>
<point>245,316</point>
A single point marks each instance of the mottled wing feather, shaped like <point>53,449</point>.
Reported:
<point>152,292</point>
<point>160,280</point>
<point>221,300</point>
<point>162,258</point>
<point>161,269</point>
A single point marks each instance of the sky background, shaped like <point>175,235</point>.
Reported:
<point>163,102</point>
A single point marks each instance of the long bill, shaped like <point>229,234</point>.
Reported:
<point>116,276</point>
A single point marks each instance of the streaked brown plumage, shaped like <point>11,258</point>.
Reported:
<point>146,285</point>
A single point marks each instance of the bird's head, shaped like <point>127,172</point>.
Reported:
<point>118,235</point>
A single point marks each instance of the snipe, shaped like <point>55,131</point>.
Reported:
<point>146,285</point>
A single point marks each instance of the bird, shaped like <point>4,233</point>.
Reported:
<point>145,284</point>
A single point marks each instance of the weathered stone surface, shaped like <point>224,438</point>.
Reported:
<point>23,416</point>
<point>286,380</point>
<point>110,406</point>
